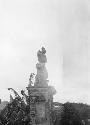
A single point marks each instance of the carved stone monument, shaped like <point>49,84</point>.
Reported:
<point>42,74</point>
<point>40,93</point>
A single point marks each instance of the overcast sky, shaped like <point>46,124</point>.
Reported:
<point>63,27</point>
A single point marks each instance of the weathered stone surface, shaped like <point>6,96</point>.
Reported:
<point>42,75</point>
<point>41,95</point>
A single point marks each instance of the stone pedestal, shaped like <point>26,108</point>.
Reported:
<point>41,104</point>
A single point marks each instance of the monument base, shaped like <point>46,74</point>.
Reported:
<point>41,104</point>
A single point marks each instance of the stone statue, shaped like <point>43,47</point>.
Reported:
<point>41,55</point>
<point>42,74</point>
<point>30,79</point>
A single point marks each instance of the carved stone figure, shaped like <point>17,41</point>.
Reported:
<point>30,79</point>
<point>41,55</point>
<point>42,74</point>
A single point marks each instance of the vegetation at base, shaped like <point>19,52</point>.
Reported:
<point>83,109</point>
<point>17,113</point>
<point>70,116</point>
<point>74,114</point>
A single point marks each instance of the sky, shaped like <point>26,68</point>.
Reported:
<point>63,28</point>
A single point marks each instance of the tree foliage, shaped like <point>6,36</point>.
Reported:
<point>70,115</point>
<point>83,109</point>
<point>15,113</point>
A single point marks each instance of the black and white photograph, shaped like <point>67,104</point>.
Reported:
<point>44,62</point>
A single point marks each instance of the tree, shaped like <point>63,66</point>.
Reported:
<point>14,113</point>
<point>70,115</point>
